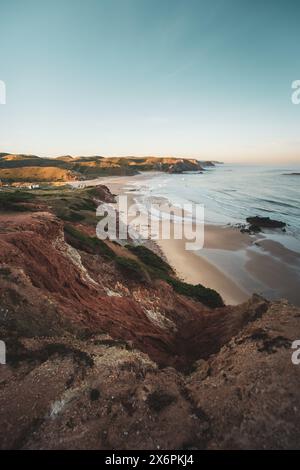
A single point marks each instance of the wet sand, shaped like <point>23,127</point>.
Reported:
<point>116,184</point>
<point>237,265</point>
<point>233,263</point>
<point>194,268</point>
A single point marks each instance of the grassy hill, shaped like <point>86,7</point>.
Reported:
<point>35,173</point>
<point>17,168</point>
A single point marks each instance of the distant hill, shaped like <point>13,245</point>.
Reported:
<point>34,174</point>
<point>20,167</point>
<point>16,157</point>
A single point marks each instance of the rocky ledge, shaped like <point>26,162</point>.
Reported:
<point>96,392</point>
<point>106,349</point>
<point>256,224</point>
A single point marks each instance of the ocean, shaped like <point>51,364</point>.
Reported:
<point>231,193</point>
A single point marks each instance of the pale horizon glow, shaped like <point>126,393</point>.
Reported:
<point>201,79</point>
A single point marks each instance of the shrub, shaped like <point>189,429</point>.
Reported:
<point>205,295</point>
<point>9,201</point>
<point>157,268</point>
<point>131,268</point>
<point>84,205</point>
<point>70,216</point>
<point>89,244</point>
<point>149,258</point>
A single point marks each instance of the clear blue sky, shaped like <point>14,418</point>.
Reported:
<point>201,78</point>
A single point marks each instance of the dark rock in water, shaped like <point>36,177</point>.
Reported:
<point>291,174</point>
<point>251,229</point>
<point>255,224</point>
<point>244,230</point>
<point>254,228</point>
<point>258,222</point>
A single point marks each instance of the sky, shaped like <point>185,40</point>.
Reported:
<point>209,79</point>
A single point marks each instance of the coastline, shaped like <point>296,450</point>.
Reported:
<point>235,264</point>
<point>194,268</point>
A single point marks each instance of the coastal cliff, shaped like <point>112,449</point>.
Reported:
<point>31,168</point>
<point>107,349</point>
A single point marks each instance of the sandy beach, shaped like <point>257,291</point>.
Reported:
<point>237,265</point>
<point>233,263</point>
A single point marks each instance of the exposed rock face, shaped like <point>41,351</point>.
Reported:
<point>250,393</point>
<point>33,168</point>
<point>96,360</point>
<point>99,393</point>
<point>42,273</point>
<point>103,194</point>
<point>185,165</point>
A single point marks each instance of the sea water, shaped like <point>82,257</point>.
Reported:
<point>231,193</point>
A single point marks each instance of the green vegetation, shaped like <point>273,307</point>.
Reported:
<point>70,216</point>
<point>33,173</point>
<point>150,259</point>
<point>84,204</point>
<point>89,244</point>
<point>32,168</point>
<point>207,296</point>
<point>157,268</point>
<point>67,204</point>
<point>70,205</point>
<point>11,200</point>
<point>132,268</point>
<point>78,206</point>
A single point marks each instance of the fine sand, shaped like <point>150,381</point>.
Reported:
<point>194,268</point>
<point>235,264</point>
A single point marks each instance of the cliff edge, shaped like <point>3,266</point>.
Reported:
<point>107,350</point>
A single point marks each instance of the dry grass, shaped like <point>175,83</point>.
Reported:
<point>35,173</point>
